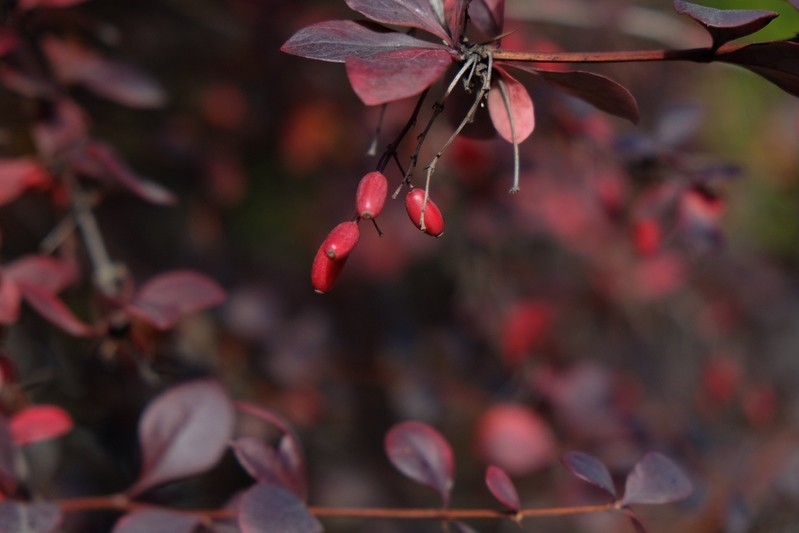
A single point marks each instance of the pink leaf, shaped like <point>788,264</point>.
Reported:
<point>117,169</point>
<point>515,438</point>
<point>406,13</point>
<point>42,271</point>
<point>656,480</point>
<point>30,4</point>
<point>422,454</point>
<point>19,175</point>
<point>338,40</point>
<point>9,301</point>
<point>396,75</point>
<point>267,508</point>
<point>502,487</point>
<point>184,431</point>
<point>47,304</point>
<point>590,469</point>
<point>488,16</point>
<point>521,109</point>
<point>163,300</point>
<point>151,520</point>
<point>39,422</point>
<point>28,518</point>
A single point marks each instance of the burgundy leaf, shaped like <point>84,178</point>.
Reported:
<point>114,167</point>
<point>19,175</point>
<point>163,300</point>
<point>338,40</point>
<point>184,431</point>
<point>61,130</point>
<point>9,301</point>
<point>599,91</point>
<point>39,422</point>
<point>776,61</point>
<point>501,486</point>
<point>406,13</point>
<point>28,518</point>
<point>590,469</point>
<point>150,520</point>
<point>8,40</point>
<point>454,15</point>
<point>263,463</point>
<point>655,480</point>
<point>396,75</point>
<point>422,454</point>
<point>268,508</point>
<point>8,451</point>
<point>519,107</point>
<point>488,16</point>
<point>47,304</point>
<point>726,24</point>
<point>42,271</point>
<point>30,4</point>
<point>26,83</point>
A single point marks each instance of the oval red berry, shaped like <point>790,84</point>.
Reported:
<point>341,240</point>
<point>325,271</point>
<point>433,220</point>
<point>371,195</point>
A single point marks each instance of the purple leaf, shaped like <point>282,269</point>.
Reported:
<point>454,15</point>
<point>488,16</point>
<point>776,61</point>
<point>422,454</point>
<point>599,91</point>
<point>590,469</point>
<point>502,487</point>
<point>338,40</point>
<point>150,520</point>
<point>396,75</point>
<point>636,521</point>
<point>28,518</point>
<point>520,108</point>
<point>267,508</point>
<point>726,24</point>
<point>47,304</point>
<point>406,13</point>
<point>114,167</point>
<point>655,480</point>
<point>265,464</point>
<point>183,431</point>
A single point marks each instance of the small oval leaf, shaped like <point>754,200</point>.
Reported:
<point>514,119</point>
<point>422,454</point>
<point>150,520</point>
<point>501,486</point>
<point>656,479</point>
<point>590,469</point>
<point>268,508</point>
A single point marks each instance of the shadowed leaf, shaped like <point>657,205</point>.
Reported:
<point>636,521</point>
<point>454,14</point>
<point>502,487</point>
<point>30,4</point>
<point>521,109</point>
<point>43,271</point>
<point>726,24</point>
<point>149,521</point>
<point>422,454</point>
<point>777,61</point>
<point>8,451</point>
<point>47,304</point>
<point>39,422</point>
<point>488,16</point>
<point>267,508</point>
<point>265,464</point>
<point>656,479</point>
<point>590,469</point>
<point>406,13</point>
<point>28,518</point>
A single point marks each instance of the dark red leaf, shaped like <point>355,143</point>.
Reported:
<point>47,304</point>
<point>338,40</point>
<point>114,167</point>
<point>454,15</point>
<point>776,61</point>
<point>28,518</point>
<point>26,83</point>
<point>422,454</point>
<point>42,271</point>
<point>62,130</point>
<point>397,74</point>
<point>166,298</point>
<point>8,40</point>
<point>656,479</point>
<point>590,469</point>
<point>19,175</point>
<point>406,13</point>
<point>265,464</point>
<point>268,508</point>
<point>9,301</point>
<point>39,422</point>
<point>520,107</point>
<point>8,457</point>
<point>30,4</point>
<point>488,16</point>
<point>599,91</point>
<point>150,520</point>
<point>502,487</point>
<point>726,24</point>
<point>184,431</point>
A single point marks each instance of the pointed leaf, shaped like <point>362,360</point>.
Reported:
<point>150,520</point>
<point>163,300</point>
<point>502,487</point>
<point>406,13</point>
<point>422,454</point>
<point>42,271</point>
<point>267,508</point>
<point>776,61</point>
<point>488,16</point>
<point>338,40</point>
<point>599,91</point>
<point>18,175</point>
<point>263,463</point>
<point>47,304</point>
<point>656,479</point>
<point>454,15</point>
<point>28,518</point>
<point>521,109</point>
<point>184,431</point>
<point>116,168</point>
<point>590,469</point>
<point>726,24</point>
<point>396,75</point>
<point>39,422</point>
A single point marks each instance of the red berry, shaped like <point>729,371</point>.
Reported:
<point>341,240</point>
<point>371,195</point>
<point>433,221</point>
<point>325,271</point>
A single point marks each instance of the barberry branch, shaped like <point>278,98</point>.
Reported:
<point>697,55</point>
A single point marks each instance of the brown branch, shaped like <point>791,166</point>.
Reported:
<point>700,55</point>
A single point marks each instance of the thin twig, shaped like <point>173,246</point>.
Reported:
<point>699,55</point>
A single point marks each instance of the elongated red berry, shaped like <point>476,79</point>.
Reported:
<point>341,240</point>
<point>325,271</point>
<point>433,220</point>
<point>371,195</point>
